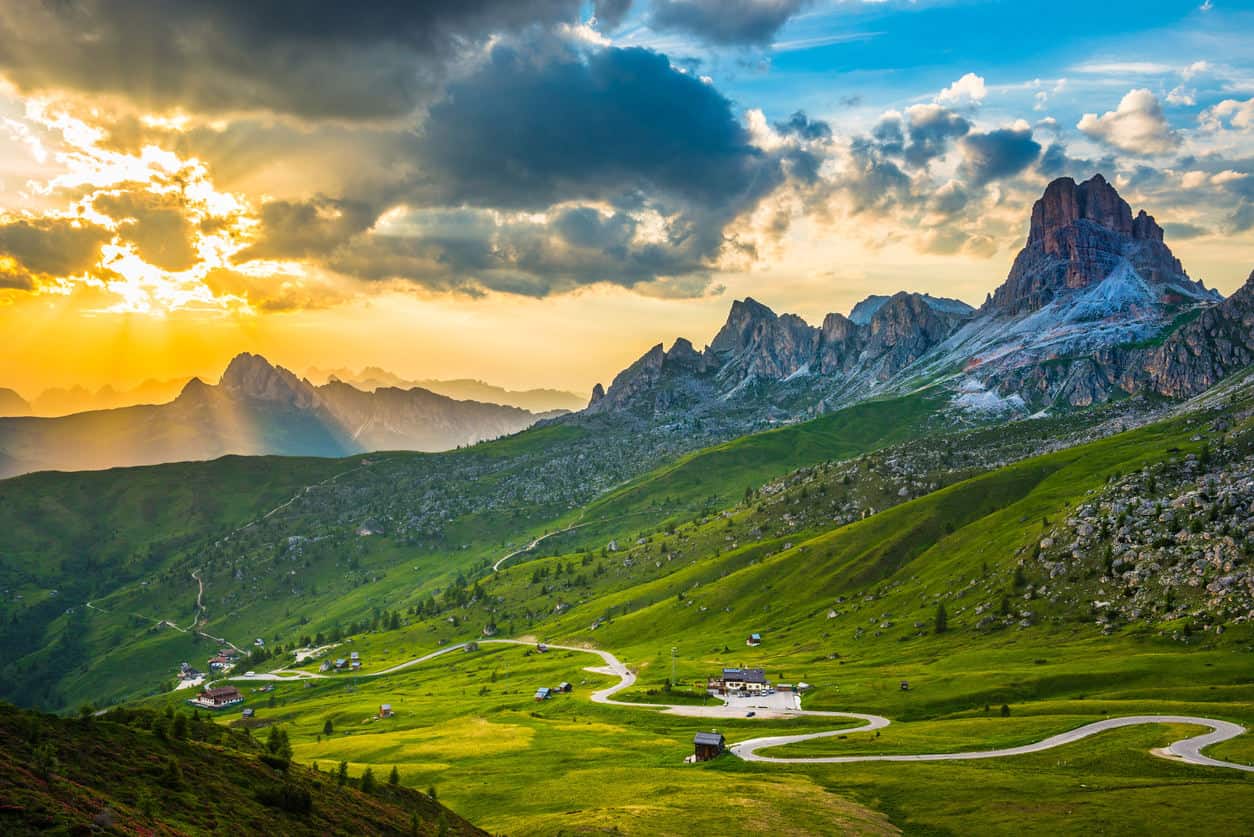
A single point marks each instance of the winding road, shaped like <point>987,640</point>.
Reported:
<point>1187,750</point>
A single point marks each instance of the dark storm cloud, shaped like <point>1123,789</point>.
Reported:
<point>725,22</point>
<point>50,247</point>
<point>311,58</point>
<point>998,154</point>
<point>527,133</point>
<point>156,224</point>
<point>549,131</point>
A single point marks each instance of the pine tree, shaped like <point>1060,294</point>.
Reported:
<point>942,620</point>
<point>394,778</point>
<point>328,728</point>
<point>367,781</point>
<point>342,775</point>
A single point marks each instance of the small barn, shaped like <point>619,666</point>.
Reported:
<point>707,745</point>
<point>564,687</point>
<point>385,710</point>
<point>544,693</point>
<point>754,639</point>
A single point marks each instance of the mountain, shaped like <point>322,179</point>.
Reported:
<point>255,409</point>
<point>12,404</point>
<point>1095,307</point>
<point>462,389</point>
<point>63,401</point>
<point>789,366</point>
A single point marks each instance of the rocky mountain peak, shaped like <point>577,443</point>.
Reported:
<point>745,317</point>
<point>1080,234</point>
<point>252,376</point>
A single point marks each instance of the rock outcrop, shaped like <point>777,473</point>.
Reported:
<point>1079,235</point>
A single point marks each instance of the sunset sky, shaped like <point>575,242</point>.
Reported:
<point>533,192</point>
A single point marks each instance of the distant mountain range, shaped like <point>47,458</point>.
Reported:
<point>463,389</point>
<point>256,409</point>
<point>64,401</point>
<point>1095,308</point>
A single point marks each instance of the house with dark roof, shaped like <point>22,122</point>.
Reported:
<point>707,745</point>
<point>735,681</point>
<point>218,698</point>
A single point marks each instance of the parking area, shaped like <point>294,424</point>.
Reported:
<point>773,702</point>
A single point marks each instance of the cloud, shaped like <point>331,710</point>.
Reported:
<point>157,224</point>
<point>1137,126</point>
<point>998,154</point>
<point>800,125</point>
<point>1181,95</point>
<point>619,125</point>
<point>48,247</point>
<point>273,292</point>
<point>313,227</point>
<point>967,91</point>
<point>317,59</point>
<point>1231,113</point>
<point>1181,231</point>
<point>932,128</point>
<point>725,22</point>
<point>610,13</point>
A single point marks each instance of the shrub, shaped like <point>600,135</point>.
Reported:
<point>286,797</point>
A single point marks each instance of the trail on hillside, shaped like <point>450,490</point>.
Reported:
<point>1187,750</point>
<point>496,568</point>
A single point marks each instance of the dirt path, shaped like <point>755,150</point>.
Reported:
<point>496,568</point>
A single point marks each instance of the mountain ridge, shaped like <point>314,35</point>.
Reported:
<point>256,408</point>
<point>1095,306</point>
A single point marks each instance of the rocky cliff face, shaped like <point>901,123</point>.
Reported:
<point>1079,235</point>
<point>1095,306</point>
<point>757,348</point>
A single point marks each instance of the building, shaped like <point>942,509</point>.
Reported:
<point>355,665</point>
<point>541,647</point>
<point>564,687</point>
<point>754,639</point>
<point>740,681</point>
<point>218,698</point>
<point>341,663</point>
<point>544,693</point>
<point>707,745</point>
<point>385,710</point>
<point>249,712</point>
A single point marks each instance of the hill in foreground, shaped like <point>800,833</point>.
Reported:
<point>151,773</point>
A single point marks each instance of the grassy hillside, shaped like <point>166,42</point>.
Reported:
<point>715,477</point>
<point>146,773</point>
<point>850,607</point>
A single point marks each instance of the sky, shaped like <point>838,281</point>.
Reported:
<point>534,192</point>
